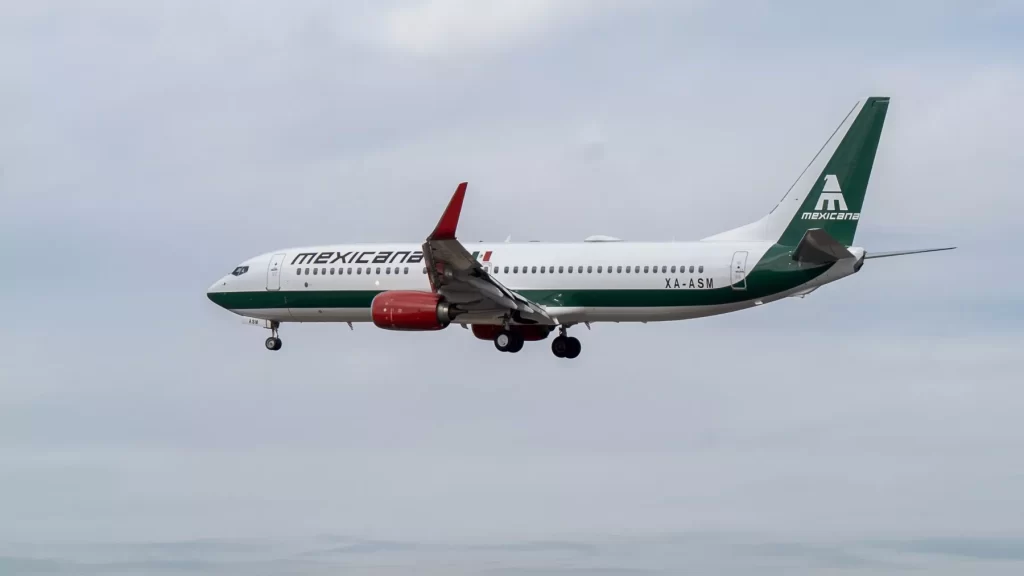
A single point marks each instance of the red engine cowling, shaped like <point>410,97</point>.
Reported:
<point>529,333</point>
<point>410,310</point>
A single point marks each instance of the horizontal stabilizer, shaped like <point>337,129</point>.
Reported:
<point>818,247</point>
<point>904,252</point>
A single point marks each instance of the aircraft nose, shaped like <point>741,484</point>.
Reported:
<point>216,289</point>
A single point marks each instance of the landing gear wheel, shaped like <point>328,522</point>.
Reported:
<point>273,343</point>
<point>507,341</point>
<point>517,343</point>
<point>503,341</point>
<point>574,347</point>
<point>560,346</point>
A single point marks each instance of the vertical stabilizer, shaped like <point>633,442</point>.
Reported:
<point>830,192</point>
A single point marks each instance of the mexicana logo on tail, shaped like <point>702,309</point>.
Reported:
<point>831,204</point>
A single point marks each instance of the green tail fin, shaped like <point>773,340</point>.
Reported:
<point>834,199</point>
<point>829,193</point>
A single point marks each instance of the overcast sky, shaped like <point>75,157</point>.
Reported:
<point>148,147</point>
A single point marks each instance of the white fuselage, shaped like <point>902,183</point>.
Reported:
<point>575,282</point>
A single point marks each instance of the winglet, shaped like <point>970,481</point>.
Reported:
<point>445,229</point>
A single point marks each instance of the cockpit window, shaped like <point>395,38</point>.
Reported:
<point>240,270</point>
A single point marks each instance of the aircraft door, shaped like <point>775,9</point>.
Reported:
<point>274,272</point>
<point>738,277</point>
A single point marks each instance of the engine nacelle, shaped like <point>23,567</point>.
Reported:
<point>410,310</point>
<point>529,333</point>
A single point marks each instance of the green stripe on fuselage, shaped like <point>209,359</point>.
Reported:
<point>294,299</point>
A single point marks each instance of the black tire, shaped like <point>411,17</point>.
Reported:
<point>560,346</point>
<point>574,347</point>
<point>273,343</point>
<point>517,343</point>
<point>504,341</point>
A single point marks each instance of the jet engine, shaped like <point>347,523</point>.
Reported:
<point>410,310</point>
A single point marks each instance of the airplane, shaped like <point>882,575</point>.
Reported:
<point>512,293</point>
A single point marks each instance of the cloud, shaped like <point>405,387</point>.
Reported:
<point>468,27</point>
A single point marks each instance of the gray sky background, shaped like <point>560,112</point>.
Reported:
<point>147,147</point>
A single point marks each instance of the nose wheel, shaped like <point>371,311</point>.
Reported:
<point>565,346</point>
<point>274,342</point>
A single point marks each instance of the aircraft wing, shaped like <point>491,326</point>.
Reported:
<point>458,276</point>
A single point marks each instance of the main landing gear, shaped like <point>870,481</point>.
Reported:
<point>508,341</point>
<point>565,346</point>
<point>274,342</point>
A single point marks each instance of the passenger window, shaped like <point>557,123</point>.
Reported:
<point>359,271</point>
<point>590,269</point>
<point>534,270</point>
<point>541,269</point>
<point>387,270</point>
<point>647,269</point>
<point>673,269</point>
<point>405,270</point>
<point>506,269</point>
<point>560,268</point>
<point>579,270</point>
<point>332,271</point>
<point>349,272</point>
<point>628,269</point>
<point>323,271</point>
<point>570,270</point>
<point>664,269</point>
<point>315,270</point>
<point>701,270</point>
<point>691,269</point>
<point>298,271</point>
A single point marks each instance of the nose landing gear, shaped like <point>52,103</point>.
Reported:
<point>274,342</point>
